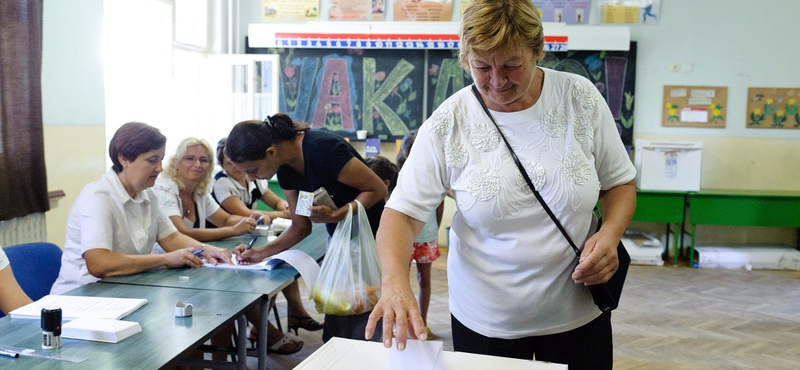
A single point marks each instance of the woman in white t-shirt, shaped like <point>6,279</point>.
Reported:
<point>11,295</point>
<point>516,287</point>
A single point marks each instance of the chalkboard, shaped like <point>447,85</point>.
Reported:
<point>344,90</point>
<point>381,91</point>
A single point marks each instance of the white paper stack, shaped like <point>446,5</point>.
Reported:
<point>74,307</point>
<point>100,330</point>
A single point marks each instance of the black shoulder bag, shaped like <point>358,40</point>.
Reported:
<point>606,296</point>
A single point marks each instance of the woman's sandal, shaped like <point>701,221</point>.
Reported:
<point>278,347</point>
<point>306,323</point>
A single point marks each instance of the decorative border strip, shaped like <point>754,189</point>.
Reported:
<point>388,41</point>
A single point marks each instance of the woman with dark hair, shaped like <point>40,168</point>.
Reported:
<point>183,193</point>
<point>116,220</point>
<point>238,195</point>
<point>306,160</point>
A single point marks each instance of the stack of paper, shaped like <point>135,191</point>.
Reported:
<point>73,307</point>
<point>101,330</point>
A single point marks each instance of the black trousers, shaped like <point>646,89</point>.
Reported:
<point>588,347</point>
<point>351,327</point>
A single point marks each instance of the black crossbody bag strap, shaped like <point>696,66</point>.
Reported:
<point>525,174</point>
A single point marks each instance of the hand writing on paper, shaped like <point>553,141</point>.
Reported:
<point>246,256</point>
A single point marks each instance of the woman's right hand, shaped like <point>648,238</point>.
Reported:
<point>182,257</point>
<point>246,257</point>
<point>397,306</point>
<point>244,226</point>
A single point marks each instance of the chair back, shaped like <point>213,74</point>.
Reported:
<point>35,266</point>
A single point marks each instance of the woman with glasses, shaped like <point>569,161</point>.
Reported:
<point>184,193</point>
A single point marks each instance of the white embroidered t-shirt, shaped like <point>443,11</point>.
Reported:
<point>509,267</point>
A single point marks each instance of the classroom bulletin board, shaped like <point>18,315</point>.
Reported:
<point>694,106</point>
<point>773,108</point>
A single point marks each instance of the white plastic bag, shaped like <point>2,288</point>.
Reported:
<point>349,280</point>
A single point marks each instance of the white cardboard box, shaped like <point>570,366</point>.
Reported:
<point>668,164</point>
<point>757,257</point>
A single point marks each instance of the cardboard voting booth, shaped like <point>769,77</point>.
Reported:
<point>668,165</point>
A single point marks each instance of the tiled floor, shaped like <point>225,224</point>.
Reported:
<point>669,318</point>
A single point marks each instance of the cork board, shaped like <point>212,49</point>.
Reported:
<point>773,108</point>
<point>694,106</point>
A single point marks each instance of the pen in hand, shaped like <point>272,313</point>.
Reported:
<point>198,252</point>
<point>252,242</point>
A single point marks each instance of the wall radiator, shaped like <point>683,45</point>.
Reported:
<point>29,229</point>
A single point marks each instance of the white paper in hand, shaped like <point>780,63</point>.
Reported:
<point>418,355</point>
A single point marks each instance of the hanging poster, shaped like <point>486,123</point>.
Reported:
<point>630,11</point>
<point>566,11</point>
<point>290,10</point>
<point>356,10</point>
<point>694,106</point>
<point>423,10</point>
<point>773,107</point>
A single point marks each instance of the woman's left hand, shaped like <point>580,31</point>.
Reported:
<point>598,261</point>
<point>215,255</point>
<point>325,214</point>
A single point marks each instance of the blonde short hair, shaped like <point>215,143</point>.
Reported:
<point>487,25</point>
<point>172,173</point>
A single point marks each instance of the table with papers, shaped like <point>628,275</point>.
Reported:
<point>163,341</point>
<point>265,283</point>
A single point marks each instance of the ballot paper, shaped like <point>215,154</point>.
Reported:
<point>301,261</point>
<point>418,355</point>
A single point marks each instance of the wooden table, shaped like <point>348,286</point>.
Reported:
<point>743,208</point>
<point>663,207</point>
<point>265,283</point>
<point>163,342</point>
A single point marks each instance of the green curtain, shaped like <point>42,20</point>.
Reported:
<point>23,177</point>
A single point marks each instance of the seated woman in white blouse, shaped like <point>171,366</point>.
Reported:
<point>116,220</point>
<point>183,191</point>
<point>11,295</point>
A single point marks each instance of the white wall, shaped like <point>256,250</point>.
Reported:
<point>736,44</point>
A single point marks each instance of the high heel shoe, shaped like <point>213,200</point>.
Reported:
<point>307,323</point>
